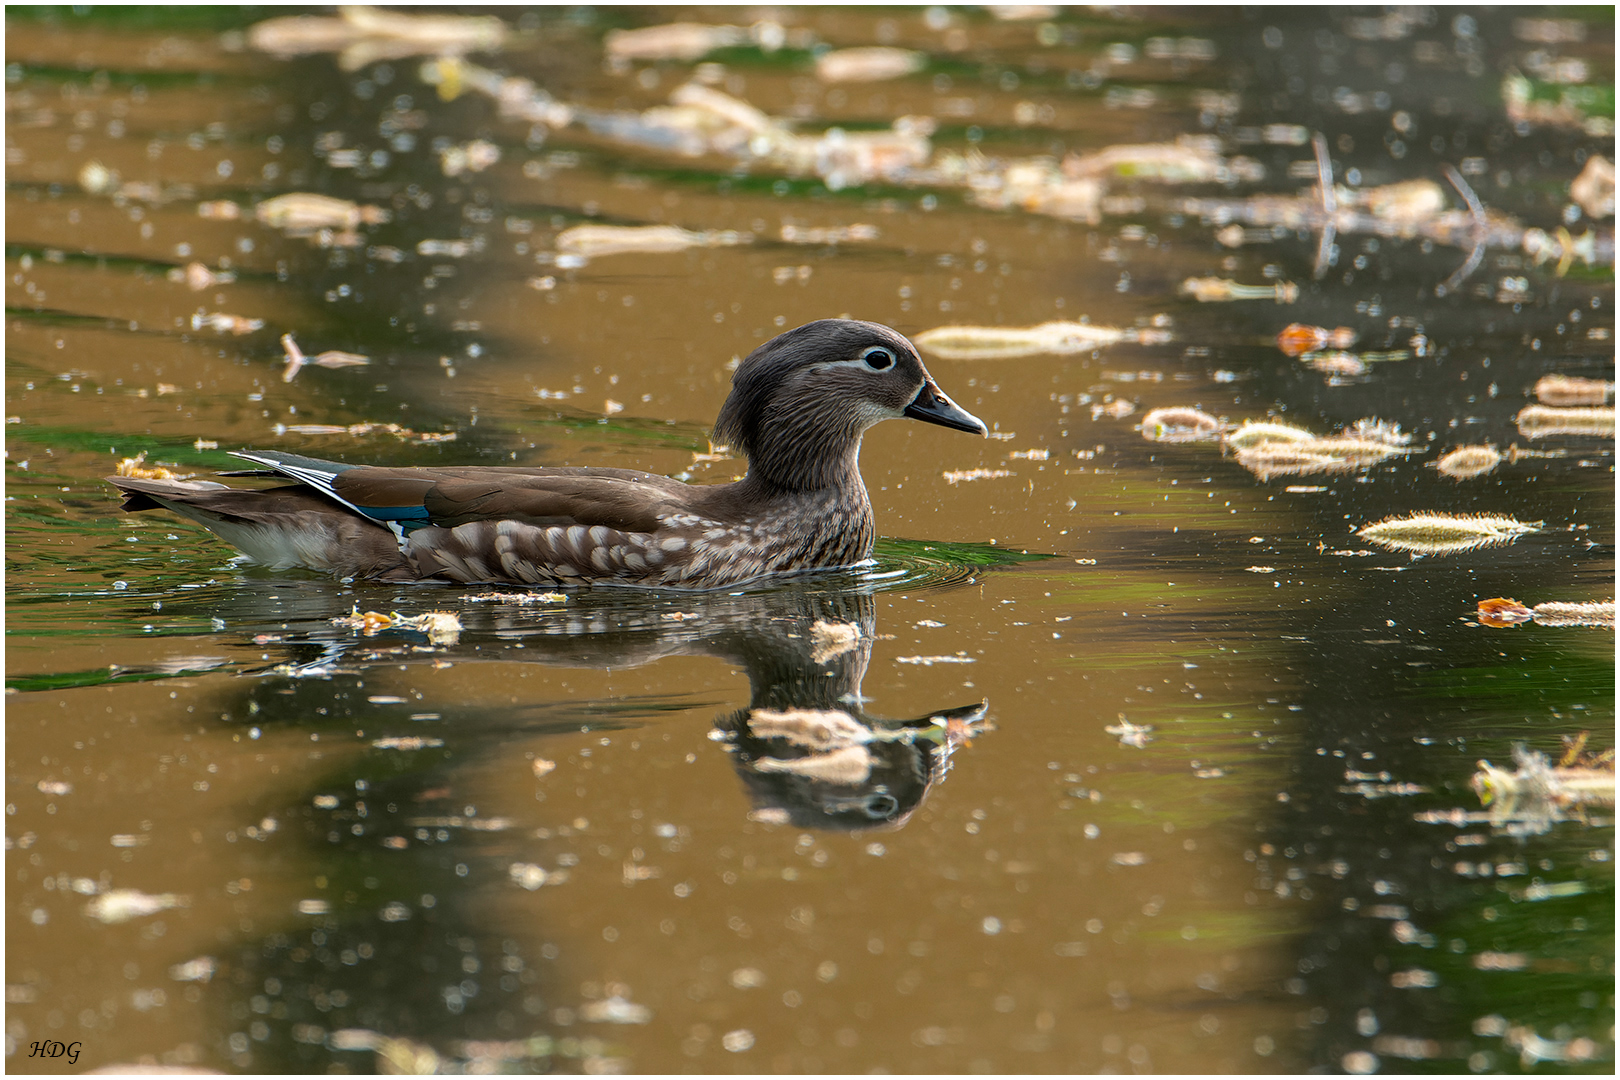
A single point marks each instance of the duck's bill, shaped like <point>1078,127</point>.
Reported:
<point>933,407</point>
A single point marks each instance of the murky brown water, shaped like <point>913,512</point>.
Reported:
<point>241,837</point>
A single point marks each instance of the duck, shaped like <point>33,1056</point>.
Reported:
<point>798,407</point>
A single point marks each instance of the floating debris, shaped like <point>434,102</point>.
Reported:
<point>869,64</point>
<point>1005,342</point>
<point>1532,798</point>
<point>519,598</point>
<point>226,324</point>
<point>815,729</point>
<point>1189,160</point>
<point>1540,421</point>
<point>829,640</point>
<point>303,213</point>
<point>122,905</point>
<point>1269,449</point>
<point>1338,364</point>
<point>1407,204</point>
<point>1323,455</point>
<point>1565,248</point>
<point>957,476</point>
<point>1467,462</point>
<point>1444,534</point>
<point>1554,613</point>
<point>136,467</point>
<point>543,767</point>
<point>1296,339</point>
<point>1180,425</point>
<point>450,249</point>
<point>1502,612</point>
<point>674,41</point>
<point>1256,433</point>
<point>837,234</point>
<point>1136,735</point>
<point>1571,390</point>
<point>198,277</point>
<point>332,358</point>
<point>592,241</point>
<point>1587,108</point>
<point>199,970</point>
<point>1593,189</point>
<point>219,210</point>
<point>474,157</point>
<point>368,623</point>
<point>407,742</point>
<point>365,428</point>
<point>400,1057</point>
<point>96,179</point>
<point>1209,290</point>
<point>364,35</point>
<point>846,765</point>
<point>615,1010</point>
<point>930,661</point>
<point>441,627</point>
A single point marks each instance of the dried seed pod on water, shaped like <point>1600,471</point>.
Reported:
<point>1332,455</point>
<point>1467,462</point>
<point>1179,425</point>
<point>1210,290</point>
<point>1341,363</point>
<point>1560,614</point>
<point>1005,342</point>
<point>1253,434</point>
<point>1539,421</point>
<point>1572,390</point>
<point>1444,534</point>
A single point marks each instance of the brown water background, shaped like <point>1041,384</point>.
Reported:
<point>1273,880</point>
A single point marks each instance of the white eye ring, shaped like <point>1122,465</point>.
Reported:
<point>878,358</point>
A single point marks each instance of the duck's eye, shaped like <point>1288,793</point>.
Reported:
<point>878,358</point>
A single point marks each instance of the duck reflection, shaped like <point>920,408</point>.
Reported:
<point>807,752</point>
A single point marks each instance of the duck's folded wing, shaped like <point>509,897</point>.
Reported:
<point>616,498</point>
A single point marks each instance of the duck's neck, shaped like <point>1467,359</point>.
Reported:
<point>791,467</point>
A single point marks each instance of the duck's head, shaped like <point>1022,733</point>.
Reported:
<point>801,402</point>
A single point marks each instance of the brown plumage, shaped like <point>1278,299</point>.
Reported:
<point>797,410</point>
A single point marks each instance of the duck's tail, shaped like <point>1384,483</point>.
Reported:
<point>280,527</point>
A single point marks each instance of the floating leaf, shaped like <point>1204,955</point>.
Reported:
<point>1444,534</point>
<point>1296,339</point>
<point>1501,611</point>
<point>1539,421</point>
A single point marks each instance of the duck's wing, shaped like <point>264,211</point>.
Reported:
<point>620,499</point>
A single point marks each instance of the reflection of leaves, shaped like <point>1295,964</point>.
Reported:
<point>69,680</point>
<point>936,553</point>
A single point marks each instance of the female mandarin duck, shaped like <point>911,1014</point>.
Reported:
<point>798,408</point>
